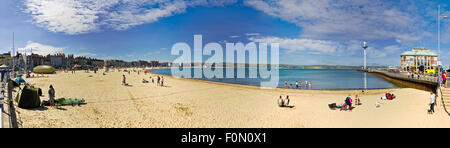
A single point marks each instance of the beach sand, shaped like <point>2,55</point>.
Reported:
<point>186,103</point>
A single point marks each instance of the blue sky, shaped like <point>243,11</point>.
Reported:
<point>309,31</point>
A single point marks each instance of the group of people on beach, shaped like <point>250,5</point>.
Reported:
<point>348,103</point>
<point>298,84</point>
<point>283,102</point>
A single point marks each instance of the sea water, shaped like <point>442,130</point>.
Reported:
<point>321,79</point>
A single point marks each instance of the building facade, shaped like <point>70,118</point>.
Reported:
<point>418,57</point>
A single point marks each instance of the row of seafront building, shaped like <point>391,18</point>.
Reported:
<point>61,61</point>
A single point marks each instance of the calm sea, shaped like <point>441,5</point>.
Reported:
<point>321,79</point>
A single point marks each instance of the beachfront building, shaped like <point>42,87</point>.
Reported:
<point>418,57</point>
<point>57,60</point>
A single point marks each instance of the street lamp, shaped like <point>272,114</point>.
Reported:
<point>365,61</point>
<point>439,33</point>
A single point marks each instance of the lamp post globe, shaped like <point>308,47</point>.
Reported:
<point>365,55</point>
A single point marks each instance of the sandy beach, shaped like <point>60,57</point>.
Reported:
<point>186,103</point>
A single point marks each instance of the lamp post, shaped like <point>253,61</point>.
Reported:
<point>365,55</point>
<point>439,33</point>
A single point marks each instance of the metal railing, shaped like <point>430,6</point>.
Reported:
<point>442,95</point>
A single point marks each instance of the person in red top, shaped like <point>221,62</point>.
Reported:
<point>444,79</point>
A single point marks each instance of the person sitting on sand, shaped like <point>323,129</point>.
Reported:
<point>144,81</point>
<point>357,100</point>
<point>287,101</point>
<point>348,101</point>
<point>280,102</point>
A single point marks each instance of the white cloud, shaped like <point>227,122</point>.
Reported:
<point>346,19</point>
<point>86,54</point>
<point>306,45</point>
<point>234,36</point>
<point>38,48</point>
<point>392,48</point>
<point>85,16</point>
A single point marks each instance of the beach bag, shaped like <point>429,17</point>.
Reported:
<point>332,106</point>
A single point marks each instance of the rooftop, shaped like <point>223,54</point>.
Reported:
<point>419,52</point>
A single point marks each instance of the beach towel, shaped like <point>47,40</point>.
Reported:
<point>71,101</point>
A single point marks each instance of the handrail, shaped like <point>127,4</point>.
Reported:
<point>442,95</point>
<point>1,114</point>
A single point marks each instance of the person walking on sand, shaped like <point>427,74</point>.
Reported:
<point>432,103</point>
<point>159,79</point>
<point>162,81</point>
<point>285,84</point>
<point>124,80</point>
<point>296,84</point>
<point>306,83</point>
<point>51,95</point>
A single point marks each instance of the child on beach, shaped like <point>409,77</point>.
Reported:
<point>357,100</point>
<point>285,84</point>
<point>296,84</point>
